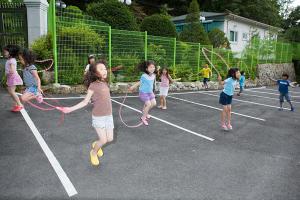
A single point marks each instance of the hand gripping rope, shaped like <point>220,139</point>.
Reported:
<point>50,107</point>
<point>121,118</point>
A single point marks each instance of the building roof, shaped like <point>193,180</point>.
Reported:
<point>231,16</point>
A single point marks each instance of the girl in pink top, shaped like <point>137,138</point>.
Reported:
<point>165,79</point>
<point>102,119</point>
<point>13,78</point>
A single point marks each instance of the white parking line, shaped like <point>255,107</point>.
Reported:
<point>250,102</point>
<point>69,187</point>
<point>277,90</point>
<point>166,122</point>
<point>277,94</point>
<point>215,108</point>
<point>253,95</point>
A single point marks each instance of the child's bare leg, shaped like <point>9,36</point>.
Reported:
<point>11,91</point>
<point>102,139</point>
<point>27,97</point>
<point>164,101</point>
<point>146,109</point>
<point>153,103</point>
<point>229,114</point>
<point>161,100</point>
<point>223,115</point>
<point>110,134</point>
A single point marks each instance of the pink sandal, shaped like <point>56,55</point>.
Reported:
<point>144,121</point>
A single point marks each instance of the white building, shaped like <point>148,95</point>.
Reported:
<point>239,30</point>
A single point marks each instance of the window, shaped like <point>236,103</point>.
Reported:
<point>245,36</point>
<point>233,36</point>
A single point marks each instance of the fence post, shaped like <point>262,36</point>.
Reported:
<point>146,45</point>
<point>174,57</point>
<point>198,61</point>
<point>281,52</point>
<point>54,42</point>
<point>109,53</point>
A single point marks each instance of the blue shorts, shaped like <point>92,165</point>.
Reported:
<point>286,96</point>
<point>205,80</point>
<point>32,90</point>
<point>225,99</point>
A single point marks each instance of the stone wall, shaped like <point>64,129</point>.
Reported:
<point>275,71</point>
<point>263,70</point>
<point>123,87</point>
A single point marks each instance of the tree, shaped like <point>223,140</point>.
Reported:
<point>218,39</point>
<point>159,25</point>
<point>116,14</point>
<point>193,31</point>
<point>293,18</point>
<point>292,25</point>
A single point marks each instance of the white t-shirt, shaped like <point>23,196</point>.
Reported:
<point>87,68</point>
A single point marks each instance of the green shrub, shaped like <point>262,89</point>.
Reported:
<point>129,72</point>
<point>218,39</point>
<point>116,14</point>
<point>159,25</point>
<point>42,47</point>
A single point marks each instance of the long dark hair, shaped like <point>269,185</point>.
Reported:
<point>13,50</point>
<point>90,57</point>
<point>232,72</point>
<point>167,74</point>
<point>92,75</point>
<point>144,65</point>
<point>28,56</point>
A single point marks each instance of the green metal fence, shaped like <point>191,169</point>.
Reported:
<point>79,35</point>
<point>13,24</point>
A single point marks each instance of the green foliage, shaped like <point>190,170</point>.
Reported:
<point>193,31</point>
<point>293,34</point>
<point>42,47</point>
<point>157,53</point>
<point>159,25</point>
<point>129,72</point>
<point>293,18</point>
<point>116,14</point>
<point>76,42</point>
<point>218,39</point>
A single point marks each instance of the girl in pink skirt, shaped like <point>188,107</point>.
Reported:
<point>13,78</point>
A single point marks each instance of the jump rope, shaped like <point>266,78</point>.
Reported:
<point>58,106</point>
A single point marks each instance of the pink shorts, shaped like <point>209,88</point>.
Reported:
<point>13,79</point>
<point>146,96</point>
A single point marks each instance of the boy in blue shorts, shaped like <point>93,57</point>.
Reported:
<point>283,88</point>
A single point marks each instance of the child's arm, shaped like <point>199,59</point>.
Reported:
<point>220,80</point>
<point>292,84</point>
<point>12,68</point>
<point>79,105</point>
<point>134,86</point>
<point>38,80</point>
<point>272,79</point>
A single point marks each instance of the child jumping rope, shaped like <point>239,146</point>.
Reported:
<point>242,83</point>
<point>165,80</point>
<point>226,96</point>
<point>30,76</point>
<point>13,78</point>
<point>283,88</point>
<point>102,119</point>
<point>206,73</point>
<point>146,88</point>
